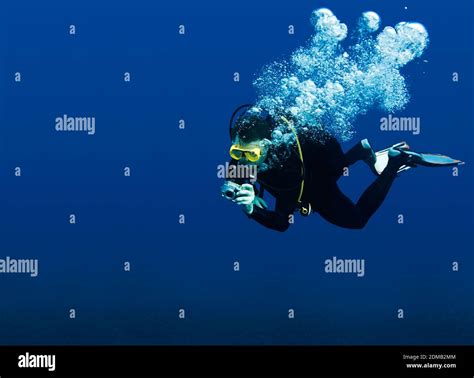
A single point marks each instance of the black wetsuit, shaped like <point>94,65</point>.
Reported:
<point>324,164</point>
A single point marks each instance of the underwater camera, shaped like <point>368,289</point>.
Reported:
<point>230,189</point>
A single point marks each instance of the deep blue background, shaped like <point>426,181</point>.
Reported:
<point>174,171</point>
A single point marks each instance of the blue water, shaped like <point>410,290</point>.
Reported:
<point>190,266</point>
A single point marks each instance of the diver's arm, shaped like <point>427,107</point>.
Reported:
<point>277,220</point>
<point>253,206</point>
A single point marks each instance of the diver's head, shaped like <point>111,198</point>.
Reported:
<point>251,136</point>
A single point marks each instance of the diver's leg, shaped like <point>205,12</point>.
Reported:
<point>361,151</point>
<point>341,211</point>
<point>374,195</point>
<point>338,209</point>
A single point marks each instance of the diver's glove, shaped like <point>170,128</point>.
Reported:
<point>260,202</point>
<point>245,197</point>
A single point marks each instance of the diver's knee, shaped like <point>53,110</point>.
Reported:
<point>353,224</point>
<point>360,226</point>
<point>359,223</point>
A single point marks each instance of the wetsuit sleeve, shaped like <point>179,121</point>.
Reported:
<point>277,220</point>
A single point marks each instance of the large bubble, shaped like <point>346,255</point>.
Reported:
<point>369,21</point>
<point>327,25</point>
<point>325,87</point>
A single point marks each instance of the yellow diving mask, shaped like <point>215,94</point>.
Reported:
<point>251,154</point>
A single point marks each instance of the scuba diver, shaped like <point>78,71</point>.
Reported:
<point>306,178</point>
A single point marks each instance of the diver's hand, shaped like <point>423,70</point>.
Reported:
<point>245,198</point>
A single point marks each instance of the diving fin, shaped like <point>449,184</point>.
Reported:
<point>382,158</point>
<point>434,160</point>
<point>427,160</point>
